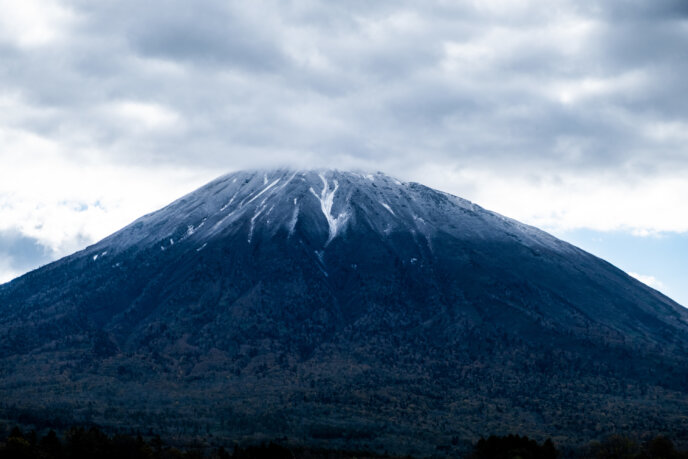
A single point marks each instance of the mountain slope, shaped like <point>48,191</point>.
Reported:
<point>327,305</point>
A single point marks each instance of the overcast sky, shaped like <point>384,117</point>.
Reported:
<point>567,115</point>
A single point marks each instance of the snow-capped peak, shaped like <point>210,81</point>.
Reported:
<point>254,205</point>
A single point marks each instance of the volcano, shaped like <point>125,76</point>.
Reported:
<point>346,309</point>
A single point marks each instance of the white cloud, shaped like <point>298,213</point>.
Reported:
<point>32,23</point>
<point>141,115</point>
<point>648,280</point>
<point>559,202</point>
<point>676,131</point>
<point>7,273</point>
<point>67,203</point>
<point>573,90</point>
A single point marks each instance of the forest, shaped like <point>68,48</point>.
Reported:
<point>93,442</point>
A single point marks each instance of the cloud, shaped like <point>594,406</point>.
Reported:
<point>468,82</point>
<point>561,114</point>
<point>61,206</point>
<point>143,115</point>
<point>34,23</point>
<point>208,33</point>
<point>648,280</point>
<point>641,204</point>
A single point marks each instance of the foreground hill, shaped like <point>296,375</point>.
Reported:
<point>347,308</point>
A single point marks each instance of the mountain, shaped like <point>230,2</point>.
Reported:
<point>341,308</point>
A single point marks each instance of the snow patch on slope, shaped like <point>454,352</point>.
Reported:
<point>229,203</point>
<point>264,190</point>
<point>326,199</point>
<point>294,218</point>
<point>386,206</point>
<point>253,223</point>
<point>191,229</point>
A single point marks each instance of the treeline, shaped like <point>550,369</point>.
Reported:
<point>513,446</point>
<point>613,447</point>
<point>93,443</point>
<point>619,446</point>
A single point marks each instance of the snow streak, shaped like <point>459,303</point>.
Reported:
<point>326,199</point>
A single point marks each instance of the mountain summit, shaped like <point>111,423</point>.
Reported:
<point>341,307</point>
<point>317,205</point>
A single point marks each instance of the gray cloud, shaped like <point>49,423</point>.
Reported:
<point>211,83</point>
<point>205,33</point>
